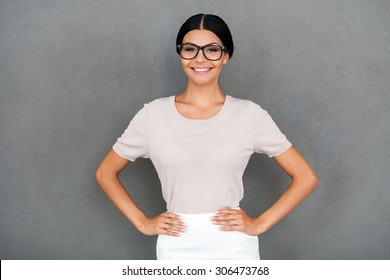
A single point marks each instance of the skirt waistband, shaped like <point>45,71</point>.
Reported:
<point>198,219</point>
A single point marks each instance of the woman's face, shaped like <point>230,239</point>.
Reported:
<point>200,70</point>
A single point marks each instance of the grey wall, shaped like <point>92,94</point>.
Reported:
<point>73,74</point>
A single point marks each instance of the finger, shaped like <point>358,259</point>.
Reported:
<point>172,215</point>
<point>161,225</point>
<point>164,228</point>
<point>171,221</point>
<point>227,211</point>
<point>227,217</point>
<point>229,222</point>
<point>231,228</point>
<point>169,231</point>
<point>174,228</point>
<point>174,219</point>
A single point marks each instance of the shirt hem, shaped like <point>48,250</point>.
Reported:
<point>121,154</point>
<point>281,150</point>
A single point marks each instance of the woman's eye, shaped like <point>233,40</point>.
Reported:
<point>189,49</point>
<point>212,49</point>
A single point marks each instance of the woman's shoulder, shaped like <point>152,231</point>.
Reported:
<point>245,103</point>
<point>158,102</point>
<point>238,100</point>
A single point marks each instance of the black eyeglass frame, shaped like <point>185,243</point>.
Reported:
<point>179,46</point>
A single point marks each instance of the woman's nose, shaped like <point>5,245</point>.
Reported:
<point>200,57</point>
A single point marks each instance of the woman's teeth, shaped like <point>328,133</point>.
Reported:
<point>201,69</point>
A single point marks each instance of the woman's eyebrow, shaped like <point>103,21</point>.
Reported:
<point>198,45</point>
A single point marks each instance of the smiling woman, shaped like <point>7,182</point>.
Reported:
<point>198,64</point>
<point>200,142</point>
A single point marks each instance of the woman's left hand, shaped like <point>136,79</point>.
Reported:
<point>238,220</point>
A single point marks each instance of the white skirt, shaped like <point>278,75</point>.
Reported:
<point>202,240</point>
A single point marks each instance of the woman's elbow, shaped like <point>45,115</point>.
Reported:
<point>308,180</point>
<point>98,175</point>
<point>101,175</point>
<point>110,167</point>
<point>312,180</point>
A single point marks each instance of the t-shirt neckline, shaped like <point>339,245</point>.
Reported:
<point>199,121</point>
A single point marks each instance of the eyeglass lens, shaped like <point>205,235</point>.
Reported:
<point>212,52</point>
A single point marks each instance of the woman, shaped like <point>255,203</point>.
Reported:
<point>200,143</point>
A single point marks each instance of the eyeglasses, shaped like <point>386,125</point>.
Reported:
<point>211,51</point>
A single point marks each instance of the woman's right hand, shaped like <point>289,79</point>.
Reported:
<point>166,223</point>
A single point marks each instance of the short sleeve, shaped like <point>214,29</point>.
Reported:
<point>267,137</point>
<point>134,141</point>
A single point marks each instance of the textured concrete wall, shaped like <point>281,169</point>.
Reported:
<point>73,74</point>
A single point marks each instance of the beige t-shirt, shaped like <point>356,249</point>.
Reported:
<point>200,163</point>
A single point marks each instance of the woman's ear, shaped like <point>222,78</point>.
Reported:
<point>226,58</point>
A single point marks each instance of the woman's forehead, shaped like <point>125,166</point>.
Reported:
<point>201,37</point>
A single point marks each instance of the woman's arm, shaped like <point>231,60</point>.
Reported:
<point>304,180</point>
<point>107,177</point>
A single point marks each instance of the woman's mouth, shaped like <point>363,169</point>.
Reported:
<point>201,70</point>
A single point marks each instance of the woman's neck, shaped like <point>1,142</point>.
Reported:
<point>202,94</point>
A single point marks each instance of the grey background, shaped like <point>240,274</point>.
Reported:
<point>73,74</point>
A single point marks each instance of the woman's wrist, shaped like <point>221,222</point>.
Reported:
<point>261,225</point>
<point>141,222</point>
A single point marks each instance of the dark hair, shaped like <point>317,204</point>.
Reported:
<point>209,22</point>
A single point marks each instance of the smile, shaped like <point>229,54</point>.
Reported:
<point>201,70</point>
